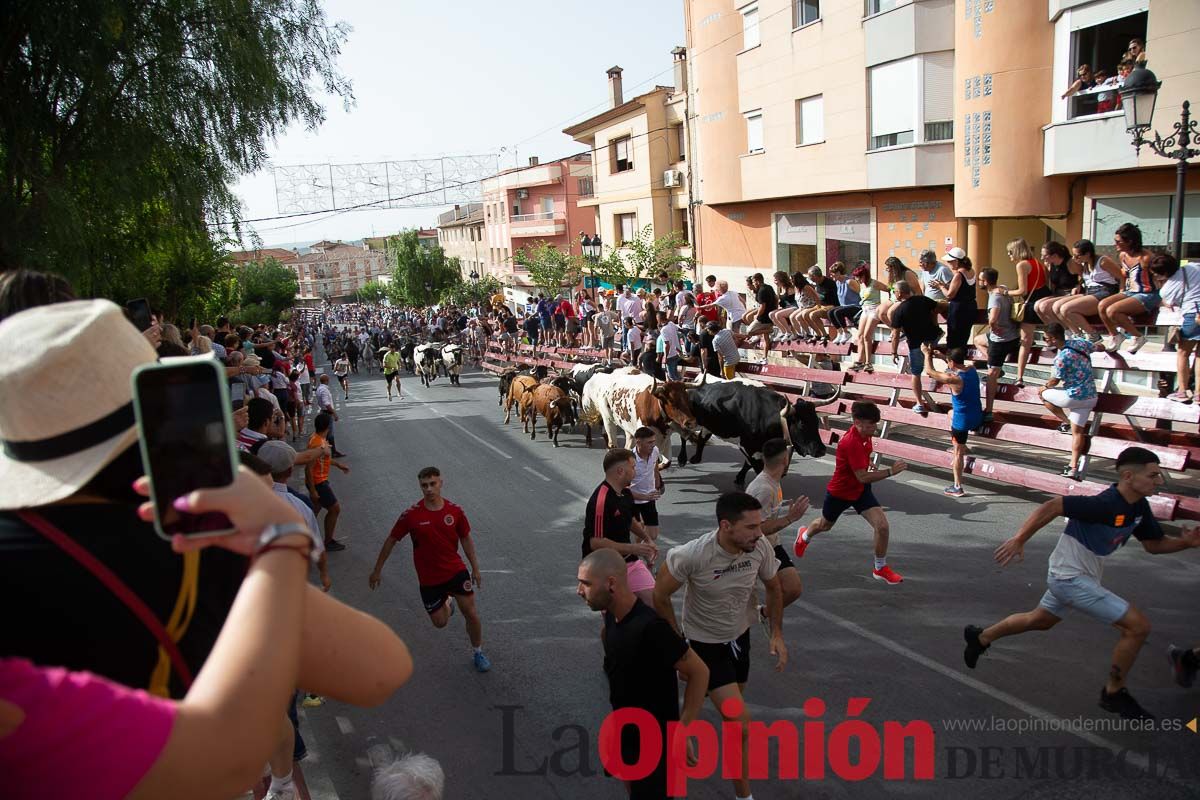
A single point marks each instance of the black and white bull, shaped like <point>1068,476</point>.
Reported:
<point>428,357</point>
<point>751,415</point>
<point>452,362</point>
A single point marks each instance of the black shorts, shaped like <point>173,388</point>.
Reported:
<point>434,597</point>
<point>959,436</point>
<point>391,376</point>
<point>834,507</point>
<point>728,662</point>
<point>1000,352</point>
<point>781,554</point>
<point>325,495</point>
<point>647,513</point>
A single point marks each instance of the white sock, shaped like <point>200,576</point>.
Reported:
<point>747,797</point>
<point>478,649</point>
<point>880,562</point>
<point>281,784</point>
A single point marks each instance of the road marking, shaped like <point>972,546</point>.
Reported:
<point>316,777</point>
<point>535,472</point>
<point>996,694</point>
<point>344,725</point>
<point>479,439</point>
<point>578,496</point>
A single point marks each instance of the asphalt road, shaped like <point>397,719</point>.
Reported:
<point>528,728</point>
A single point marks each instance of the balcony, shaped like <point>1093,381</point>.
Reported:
<point>543,223</point>
<point>544,175</point>
<point>925,164</point>
<point>1097,143</point>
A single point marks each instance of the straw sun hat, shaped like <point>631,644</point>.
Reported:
<point>66,407</point>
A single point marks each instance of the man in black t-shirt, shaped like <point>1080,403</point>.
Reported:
<point>642,654</point>
<point>708,353</point>
<point>768,301</point>
<point>608,521</point>
<point>916,318</point>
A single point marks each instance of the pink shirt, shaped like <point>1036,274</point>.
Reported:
<point>82,736</point>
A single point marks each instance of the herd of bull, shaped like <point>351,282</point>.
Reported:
<point>623,398</point>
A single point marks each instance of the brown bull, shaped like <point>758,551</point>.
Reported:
<point>554,405</point>
<point>664,407</point>
<point>520,386</point>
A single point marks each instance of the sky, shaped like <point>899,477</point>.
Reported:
<point>462,77</point>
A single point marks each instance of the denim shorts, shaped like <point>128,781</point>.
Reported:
<point>916,360</point>
<point>1190,329</point>
<point>1082,593</point>
<point>1149,300</point>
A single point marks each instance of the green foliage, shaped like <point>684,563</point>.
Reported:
<point>550,269</point>
<point>467,292</point>
<point>268,284</point>
<point>644,257</point>
<point>371,292</point>
<point>125,123</point>
<point>415,266</point>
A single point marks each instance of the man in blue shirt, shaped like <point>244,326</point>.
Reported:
<point>966,412</point>
<point>1096,527</point>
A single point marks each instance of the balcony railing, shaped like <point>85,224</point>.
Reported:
<point>585,188</point>
<point>939,131</point>
<point>541,215</point>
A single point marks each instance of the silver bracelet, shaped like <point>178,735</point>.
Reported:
<point>273,532</point>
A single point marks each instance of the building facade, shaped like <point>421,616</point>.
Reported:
<point>639,161</point>
<point>460,234</point>
<point>525,206</point>
<point>839,130</point>
<point>335,271</point>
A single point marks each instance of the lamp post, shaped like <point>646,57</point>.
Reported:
<point>591,247</point>
<point>1137,100</point>
<point>474,285</point>
<point>428,293</point>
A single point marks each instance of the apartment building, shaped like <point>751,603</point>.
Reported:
<point>525,206</point>
<point>639,161</point>
<point>460,235</point>
<point>827,130</point>
<point>335,271</point>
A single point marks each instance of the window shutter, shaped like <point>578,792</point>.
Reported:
<point>750,35</point>
<point>754,132</point>
<point>893,97</point>
<point>812,120</point>
<point>939,86</point>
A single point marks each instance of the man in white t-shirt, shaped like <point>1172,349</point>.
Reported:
<point>731,304</point>
<point>721,571</point>
<point>669,332</point>
<point>647,483</point>
<point>777,515</point>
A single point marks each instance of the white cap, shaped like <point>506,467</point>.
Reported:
<point>956,254</point>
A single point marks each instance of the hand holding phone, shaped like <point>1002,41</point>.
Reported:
<point>186,436</point>
<point>139,313</point>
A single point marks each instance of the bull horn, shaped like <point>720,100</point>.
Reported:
<point>823,401</point>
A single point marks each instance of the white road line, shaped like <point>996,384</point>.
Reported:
<point>316,778</point>
<point>535,472</point>
<point>344,725</point>
<point>971,683</point>
<point>580,497</point>
<point>479,439</point>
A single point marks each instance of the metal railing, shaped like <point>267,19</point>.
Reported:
<point>939,131</point>
<point>541,215</point>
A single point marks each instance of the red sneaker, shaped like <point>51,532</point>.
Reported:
<point>887,575</point>
<point>800,545</point>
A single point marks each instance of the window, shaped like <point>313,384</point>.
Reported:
<point>681,224</point>
<point>754,131</point>
<point>1100,37</point>
<point>585,188</point>
<point>821,238</point>
<point>624,227</point>
<point>879,6</point>
<point>548,207</point>
<point>1153,214</point>
<point>750,35</point>
<point>893,103</point>
<point>680,142</point>
<point>621,154</point>
<point>938,84</point>
<point>810,120</point>
<point>805,12</point>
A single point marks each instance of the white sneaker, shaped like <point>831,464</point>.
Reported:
<point>1114,343</point>
<point>1136,343</point>
<point>281,794</point>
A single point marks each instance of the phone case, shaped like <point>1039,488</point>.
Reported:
<point>226,404</point>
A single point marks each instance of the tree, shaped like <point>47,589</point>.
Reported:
<point>550,269</point>
<point>371,292</point>
<point>268,284</point>
<point>644,257</point>
<point>464,293</point>
<point>125,123</point>
<point>415,266</point>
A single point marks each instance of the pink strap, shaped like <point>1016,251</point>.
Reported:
<point>115,585</point>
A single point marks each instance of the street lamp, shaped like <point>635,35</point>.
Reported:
<point>474,285</point>
<point>1137,100</point>
<point>428,292</point>
<point>591,247</point>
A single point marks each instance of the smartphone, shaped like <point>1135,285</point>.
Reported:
<point>237,394</point>
<point>185,430</point>
<point>139,313</point>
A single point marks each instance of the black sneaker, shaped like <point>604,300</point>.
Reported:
<point>333,545</point>
<point>974,648</point>
<point>338,454</point>
<point>1122,702</point>
<point>1185,675</point>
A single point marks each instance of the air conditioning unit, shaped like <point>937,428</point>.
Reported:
<point>522,194</point>
<point>673,179</point>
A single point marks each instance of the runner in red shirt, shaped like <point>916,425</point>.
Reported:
<point>438,527</point>
<point>850,487</point>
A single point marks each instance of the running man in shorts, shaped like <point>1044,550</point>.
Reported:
<point>647,484</point>
<point>721,571</point>
<point>767,489</point>
<point>341,369</point>
<point>438,528</point>
<point>391,370</point>
<point>609,519</point>
<point>966,409</point>
<point>850,487</point>
<point>1097,526</point>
